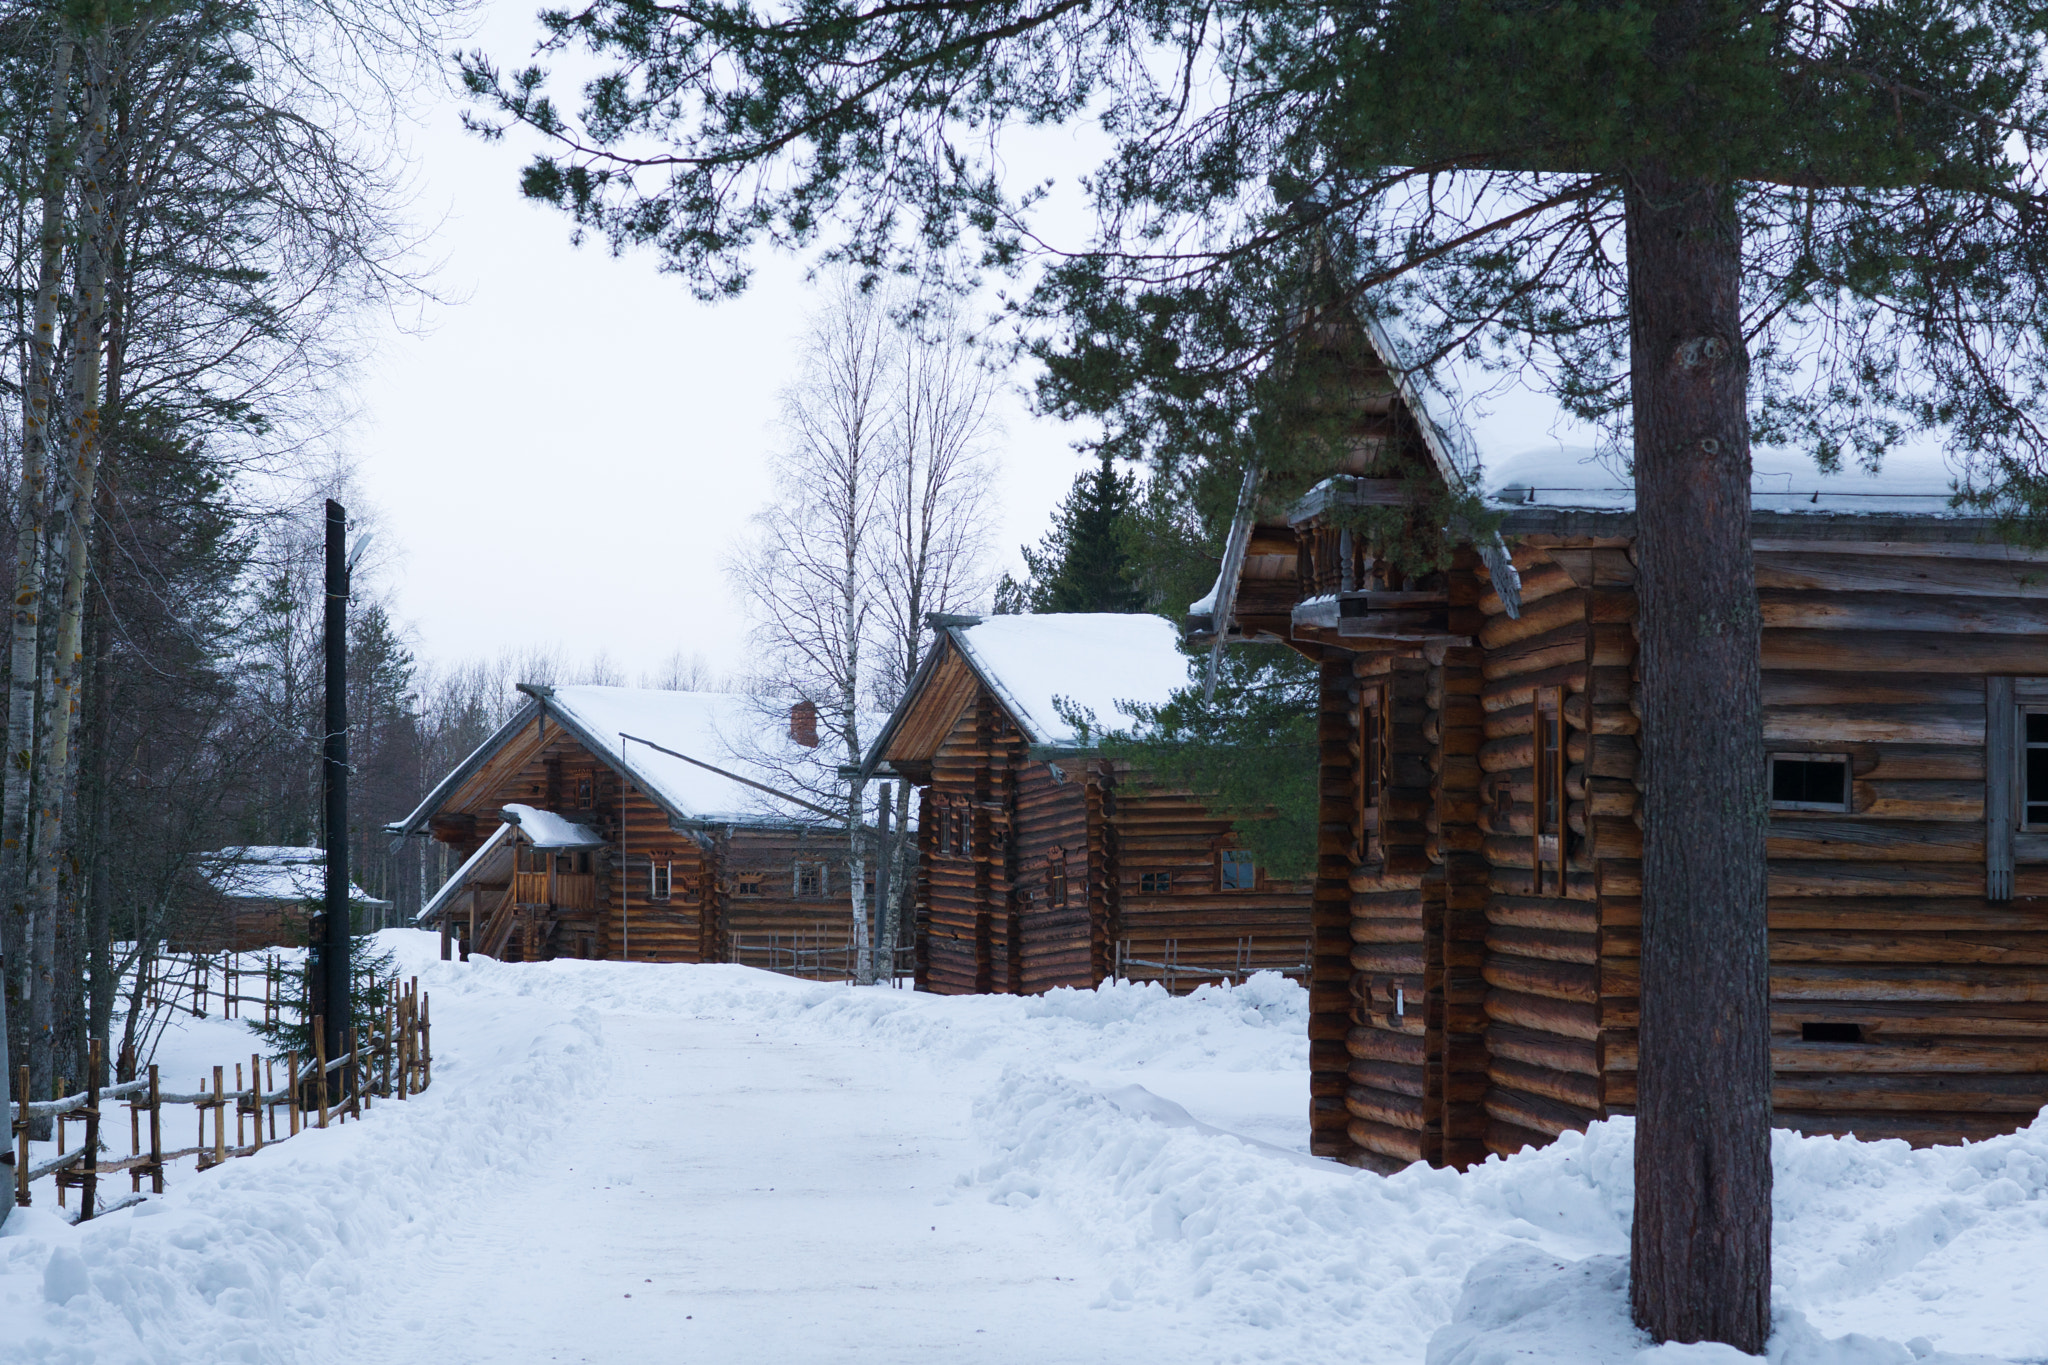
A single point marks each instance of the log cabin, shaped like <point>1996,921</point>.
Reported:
<point>575,835</point>
<point>259,896</point>
<point>1477,903</point>
<point>1041,863</point>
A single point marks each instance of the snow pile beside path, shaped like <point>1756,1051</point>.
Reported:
<point>233,1264</point>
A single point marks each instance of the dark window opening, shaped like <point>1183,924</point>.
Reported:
<point>747,884</point>
<point>1818,1032</point>
<point>1372,773</point>
<point>1056,877</point>
<point>1810,782</point>
<point>810,879</point>
<point>1235,872</point>
<point>1155,883</point>
<point>583,797</point>
<point>2034,774</point>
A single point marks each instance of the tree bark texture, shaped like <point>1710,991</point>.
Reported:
<point>38,385</point>
<point>71,524</point>
<point>1701,1265</point>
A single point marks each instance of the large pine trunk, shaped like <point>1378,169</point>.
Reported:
<point>1701,1267</point>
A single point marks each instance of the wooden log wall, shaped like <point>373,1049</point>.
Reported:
<point>967,937</point>
<point>1561,963</point>
<point>1056,943</point>
<point>771,855</point>
<point>1159,832</point>
<point>1879,916</point>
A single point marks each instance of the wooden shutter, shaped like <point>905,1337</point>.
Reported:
<point>2001,745</point>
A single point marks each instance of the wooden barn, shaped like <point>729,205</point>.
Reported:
<point>573,833</point>
<point>1040,862</point>
<point>1477,903</point>
<point>258,896</point>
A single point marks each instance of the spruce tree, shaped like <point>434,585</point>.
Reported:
<point>1085,562</point>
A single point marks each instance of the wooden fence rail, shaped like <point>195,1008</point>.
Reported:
<point>1171,969</point>
<point>396,1061</point>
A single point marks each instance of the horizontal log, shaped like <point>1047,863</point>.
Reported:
<point>1564,981</point>
<point>1564,645</point>
<point>1813,981</point>
<point>1389,959</point>
<point>1520,881</point>
<point>1548,945</point>
<point>1579,1091</point>
<point>1506,1139</point>
<point>1575,1055</point>
<point>1397,1145</point>
<point>1517,689</point>
<point>1858,573</point>
<point>1829,687</point>
<point>1960,802</point>
<point>1921,1130</point>
<point>1889,723</point>
<point>1888,1020</point>
<point>1789,878</point>
<point>1539,617</point>
<point>1963,1093</point>
<point>1384,1107</point>
<point>1837,839</point>
<point>1582,714</point>
<point>1910,610</point>
<point>2015,1058</point>
<point>1539,581</point>
<point>1544,912</point>
<point>1538,1113</point>
<point>1541,1014</point>
<point>1389,1076</point>
<point>1847,946</point>
<point>1919,763</point>
<point>1905,652</point>
<point>1870,914</point>
<point>1368,1044</point>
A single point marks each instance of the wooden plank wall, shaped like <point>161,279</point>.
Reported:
<point>1879,916</point>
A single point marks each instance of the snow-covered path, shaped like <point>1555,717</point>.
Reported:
<point>633,1162</point>
<point>728,1195</point>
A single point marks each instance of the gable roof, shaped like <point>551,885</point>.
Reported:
<point>274,872</point>
<point>1035,666</point>
<point>715,728</point>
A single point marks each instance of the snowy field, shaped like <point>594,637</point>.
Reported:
<point>646,1163</point>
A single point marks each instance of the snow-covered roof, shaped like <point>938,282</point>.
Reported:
<point>716,728</point>
<point>461,875</point>
<point>545,829</point>
<point>722,731</point>
<point>1093,660</point>
<point>273,872</point>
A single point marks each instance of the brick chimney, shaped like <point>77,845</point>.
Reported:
<point>803,724</point>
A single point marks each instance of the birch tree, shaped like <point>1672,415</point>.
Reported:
<point>880,520</point>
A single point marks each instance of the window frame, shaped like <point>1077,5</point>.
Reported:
<point>796,881</point>
<point>1228,857</point>
<point>1370,727</point>
<point>1848,764</point>
<point>661,879</point>
<point>2020,748</point>
<point>1548,807</point>
<point>1155,883</point>
<point>1056,878</point>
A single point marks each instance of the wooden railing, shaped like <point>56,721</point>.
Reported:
<point>530,888</point>
<point>396,1061</point>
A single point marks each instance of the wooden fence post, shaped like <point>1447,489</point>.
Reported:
<point>320,1064</point>
<point>156,1133</point>
<point>89,1187</point>
<point>426,1042</point>
<point>354,1073</point>
<point>220,1118</point>
<point>292,1103</point>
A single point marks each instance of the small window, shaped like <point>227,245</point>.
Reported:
<point>1372,773</point>
<point>960,828</point>
<point>565,863</point>
<point>747,884</point>
<point>2034,772</point>
<point>1235,872</point>
<point>659,876</point>
<point>1810,782</point>
<point>1155,883</point>
<point>1830,1032</point>
<point>583,800</point>
<point>1056,877</point>
<point>810,880</point>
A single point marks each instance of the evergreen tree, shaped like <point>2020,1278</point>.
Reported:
<point>1085,562</point>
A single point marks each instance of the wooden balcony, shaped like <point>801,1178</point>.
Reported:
<point>558,890</point>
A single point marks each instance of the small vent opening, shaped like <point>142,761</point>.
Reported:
<point>1811,1032</point>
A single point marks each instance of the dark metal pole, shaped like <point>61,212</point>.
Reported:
<point>334,771</point>
<point>885,952</point>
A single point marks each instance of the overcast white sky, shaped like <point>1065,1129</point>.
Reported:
<point>565,455</point>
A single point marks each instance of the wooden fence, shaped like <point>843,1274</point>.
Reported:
<point>818,956</point>
<point>396,1061</point>
<point>1173,972</point>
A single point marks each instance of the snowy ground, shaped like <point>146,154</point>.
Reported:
<point>715,1164</point>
